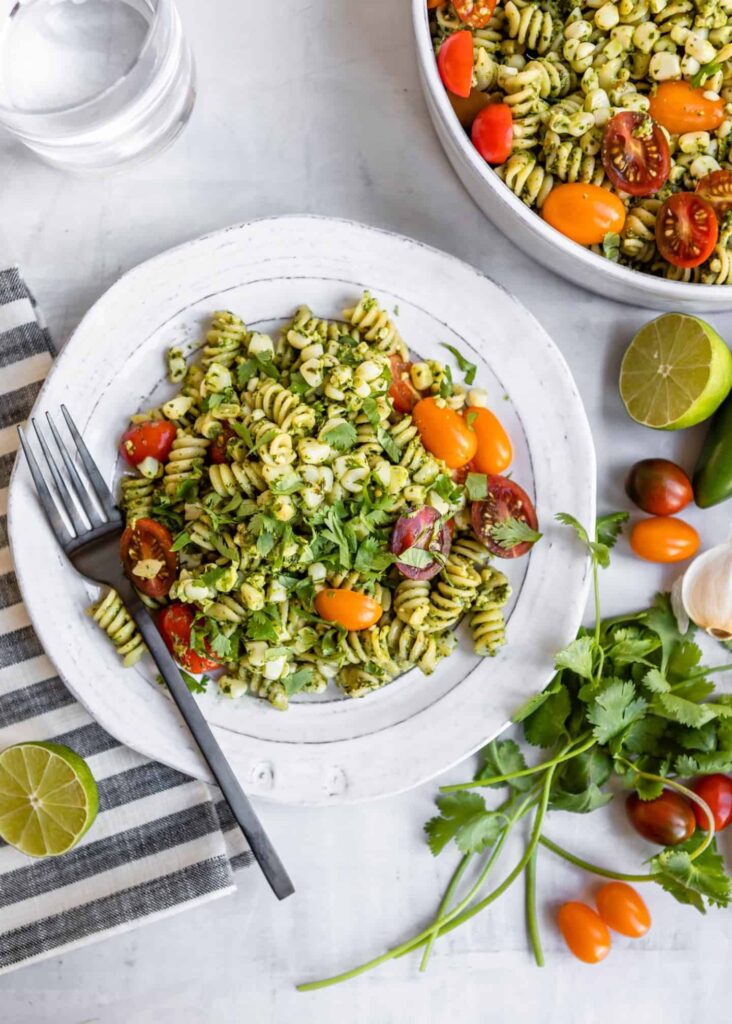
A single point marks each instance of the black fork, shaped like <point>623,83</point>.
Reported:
<point>91,543</point>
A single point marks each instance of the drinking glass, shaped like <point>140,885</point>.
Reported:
<point>91,85</point>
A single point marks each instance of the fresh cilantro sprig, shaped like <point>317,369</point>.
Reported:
<point>466,367</point>
<point>510,532</point>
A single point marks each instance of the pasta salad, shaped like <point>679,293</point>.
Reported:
<point>316,507</point>
<point>611,118</point>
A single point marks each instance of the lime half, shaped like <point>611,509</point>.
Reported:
<point>675,373</point>
<point>48,798</point>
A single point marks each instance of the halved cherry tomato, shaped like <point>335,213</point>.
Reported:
<point>716,189</point>
<point>432,4</point>
<point>668,820</point>
<point>686,230</point>
<point>506,500</point>
<point>148,542</point>
<point>716,792</point>
<point>664,539</point>
<point>348,608</point>
<point>401,391</point>
<point>492,133</point>
<point>680,108</point>
<point>467,108</point>
<point>659,487</point>
<point>455,62</point>
<point>584,213</point>
<point>584,931</point>
<point>635,154</point>
<point>622,909</point>
<point>494,452</point>
<point>476,13</point>
<point>153,439</point>
<point>217,448</point>
<point>422,529</point>
<point>175,622</point>
<point>444,433</point>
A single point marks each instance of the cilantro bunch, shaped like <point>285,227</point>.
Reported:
<point>630,707</point>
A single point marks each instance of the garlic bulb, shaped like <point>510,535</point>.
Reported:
<point>706,591</point>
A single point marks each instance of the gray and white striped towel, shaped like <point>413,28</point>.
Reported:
<point>160,842</point>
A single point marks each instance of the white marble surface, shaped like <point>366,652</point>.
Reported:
<point>317,108</point>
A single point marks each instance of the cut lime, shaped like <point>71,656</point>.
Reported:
<point>48,798</point>
<point>676,372</point>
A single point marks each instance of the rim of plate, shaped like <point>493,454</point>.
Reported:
<point>644,284</point>
<point>320,761</point>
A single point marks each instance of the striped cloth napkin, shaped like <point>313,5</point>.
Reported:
<point>161,842</point>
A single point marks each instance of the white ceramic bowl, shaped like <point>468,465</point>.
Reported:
<point>526,228</point>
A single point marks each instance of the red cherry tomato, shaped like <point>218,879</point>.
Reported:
<point>584,213</point>
<point>664,539</point>
<point>716,792</point>
<point>153,439</point>
<point>635,154</point>
<point>623,910</point>
<point>444,433</point>
<point>659,487</point>
<point>506,500</point>
<point>175,622</point>
<point>348,608</point>
<point>148,541</point>
<point>476,13</point>
<point>716,189</point>
<point>492,133</point>
<point>217,448</point>
<point>425,530</point>
<point>494,452</point>
<point>680,108</point>
<point>668,820</point>
<point>401,391</point>
<point>686,230</point>
<point>455,62</point>
<point>584,931</point>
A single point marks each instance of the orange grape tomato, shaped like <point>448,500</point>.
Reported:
<point>494,452</point>
<point>623,910</point>
<point>664,539</point>
<point>455,62</point>
<point>467,108</point>
<point>347,608</point>
<point>584,931</point>
<point>445,433</point>
<point>492,133</point>
<point>584,213</point>
<point>476,13</point>
<point>680,108</point>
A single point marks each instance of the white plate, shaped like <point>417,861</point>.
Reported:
<point>337,749</point>
<point>526,228</point>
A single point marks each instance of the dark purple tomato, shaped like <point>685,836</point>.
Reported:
<point>668,820</point>
<point>659,487</point>
<point>422,530</point>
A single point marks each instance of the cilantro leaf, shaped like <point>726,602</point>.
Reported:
<point>296,681</point>
<point>193,684</point>
<point>242,431</point>
<point>569,520</point>
<point>464,818</point>
<point>655,681</point>
<point>613,710</point>
<point>510,532</point>
<point>419,558</point>
<point>341,437</point>
<point>476,484</point>
<point>661,619</point>
<point>389,445</point>
<point>545,726</point>
<point>692,881</point>
<point>536,700</point>
<point>503,758</point>
<point>371,410</point>
<point>609,527</point>
<point>705,71</point>
<point>588,799</point>
<point>469,369</point>
<point>372,557</point>
<point>683,711</point>
<point>446,385</point>
<point>578,657</point>
<point>287,483</point>
<point>180,541</point>
<point>261,627</point>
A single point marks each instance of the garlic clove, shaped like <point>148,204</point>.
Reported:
<point>706,591</point>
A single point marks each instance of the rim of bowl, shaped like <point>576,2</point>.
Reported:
<point>644,284</point>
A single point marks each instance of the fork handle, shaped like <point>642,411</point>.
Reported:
<point>241,808</point>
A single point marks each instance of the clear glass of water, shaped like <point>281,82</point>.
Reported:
<point>91,85</point>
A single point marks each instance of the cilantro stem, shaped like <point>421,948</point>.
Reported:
<point>592,868</point>
<point>690,795</point>
<point>444,903</point>
<point>495,780</point>
<point>531,920</point>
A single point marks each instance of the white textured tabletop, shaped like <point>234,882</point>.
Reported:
<point>314,106</point>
